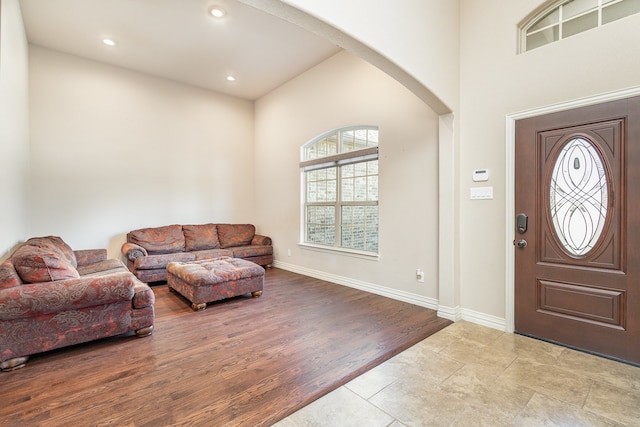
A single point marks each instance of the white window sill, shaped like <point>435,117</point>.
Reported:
<point>340,251</point>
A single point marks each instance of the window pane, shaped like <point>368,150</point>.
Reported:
<point>579,196</point>
<point>580,24</point>
<point>551,18</point>
<point>322,148</point>
<point>360,169</point>
<point>312,192</point>
<point>576,7</point>
<point>359,228</point>
<point>372,167</point>
<point>319,187</point>
<point>321,225</point>
<point>620,10</point>
<point>372,216</point>
<point>372,188</point>
<point>542,37</point>
<point>360,189</point>
<point>348,190</point>
<point>372,137</point>
<point>358,139</point>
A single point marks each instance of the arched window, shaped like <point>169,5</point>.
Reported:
<point>565,18</point>
<point>340,189</point>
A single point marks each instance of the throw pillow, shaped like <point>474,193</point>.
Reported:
<point>8,276</point>
<point>42,260</point>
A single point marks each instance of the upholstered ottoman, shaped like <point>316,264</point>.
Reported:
<point>214,279</point>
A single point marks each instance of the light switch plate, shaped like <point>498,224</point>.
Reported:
<point>481,193</point>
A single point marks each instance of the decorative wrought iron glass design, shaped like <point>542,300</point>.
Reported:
<point>578,196</point>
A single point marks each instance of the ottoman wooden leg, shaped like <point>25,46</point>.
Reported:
<point>256,294</point>
<point>198,307</point>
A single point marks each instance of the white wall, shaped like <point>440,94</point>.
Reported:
<point>421,36</point>
<point>14,127</point>
<point>495,82</point>
<point>342,91</point>
<point>113,150</point>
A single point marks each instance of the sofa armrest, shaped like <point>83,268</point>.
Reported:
<point>34,299</point>
<point>131,251</point>
<point>90,256</point>
<point>261,240</point>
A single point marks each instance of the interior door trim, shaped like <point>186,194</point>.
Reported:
<point>510,182</point>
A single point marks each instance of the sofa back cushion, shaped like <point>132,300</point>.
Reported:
<point>200,237</point>
<point>8,275</point>
<point>45,259</point>
<point>231,235</point>
<point>159,240</point>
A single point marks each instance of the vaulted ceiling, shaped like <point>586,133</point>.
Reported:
<point>180,40</point>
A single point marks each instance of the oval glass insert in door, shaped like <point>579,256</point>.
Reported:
<point>578,196</point>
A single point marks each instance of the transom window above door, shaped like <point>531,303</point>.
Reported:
<point>565,18</point>
<point>340,190</point>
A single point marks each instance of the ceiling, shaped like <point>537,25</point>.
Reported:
<point>179,40</point>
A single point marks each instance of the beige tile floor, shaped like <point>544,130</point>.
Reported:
<point>471,375</point>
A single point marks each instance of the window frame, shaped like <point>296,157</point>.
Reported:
<point>337,160</point>
<point>558,5</point>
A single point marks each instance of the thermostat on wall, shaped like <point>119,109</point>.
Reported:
<point>481,175</point>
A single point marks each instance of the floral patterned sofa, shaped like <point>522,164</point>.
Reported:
<point>149,250</point>
<point>52,297</point>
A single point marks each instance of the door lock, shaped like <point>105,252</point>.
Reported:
<point>521,223</point>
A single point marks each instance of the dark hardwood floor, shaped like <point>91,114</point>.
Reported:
<point>241,362</point>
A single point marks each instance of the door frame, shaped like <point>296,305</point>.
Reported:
<point>511,182</point>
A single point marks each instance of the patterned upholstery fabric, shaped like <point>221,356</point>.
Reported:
<point>44,259</point>
<point>200,237</point>
<point>8,276</point>
<point>104,299</point>
<point>204,241</point>
<point>31,300</point>
<point>231,235</point>
<point>159,240</point>
<point>215,279</point>
<point>153,262</point>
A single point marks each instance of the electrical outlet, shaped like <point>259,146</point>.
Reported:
<point>419,275</point>
<point>288,252</point>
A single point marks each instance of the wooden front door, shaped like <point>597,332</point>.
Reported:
<point>577,237</point>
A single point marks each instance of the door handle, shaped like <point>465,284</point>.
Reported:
<point>521,243</point>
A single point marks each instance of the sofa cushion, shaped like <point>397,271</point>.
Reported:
<point>199,237</point>
<point>108,266</point>
<point>251,251</point>
<point>9,277</point>
<point>212,253</point>
<point>159,240</point>
<point>44,259</point>
<point>155,262</point>
<point>231,235</point>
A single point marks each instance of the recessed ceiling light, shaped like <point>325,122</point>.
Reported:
<point>217,11</point>
<point>109,42</point>
<point>231,79</point>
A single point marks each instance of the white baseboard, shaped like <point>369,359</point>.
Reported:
<point>451,313</point>
<point>483,319</point>
<point>411,298</point>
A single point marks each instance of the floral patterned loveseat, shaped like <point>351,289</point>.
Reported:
<point>52,297</point>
